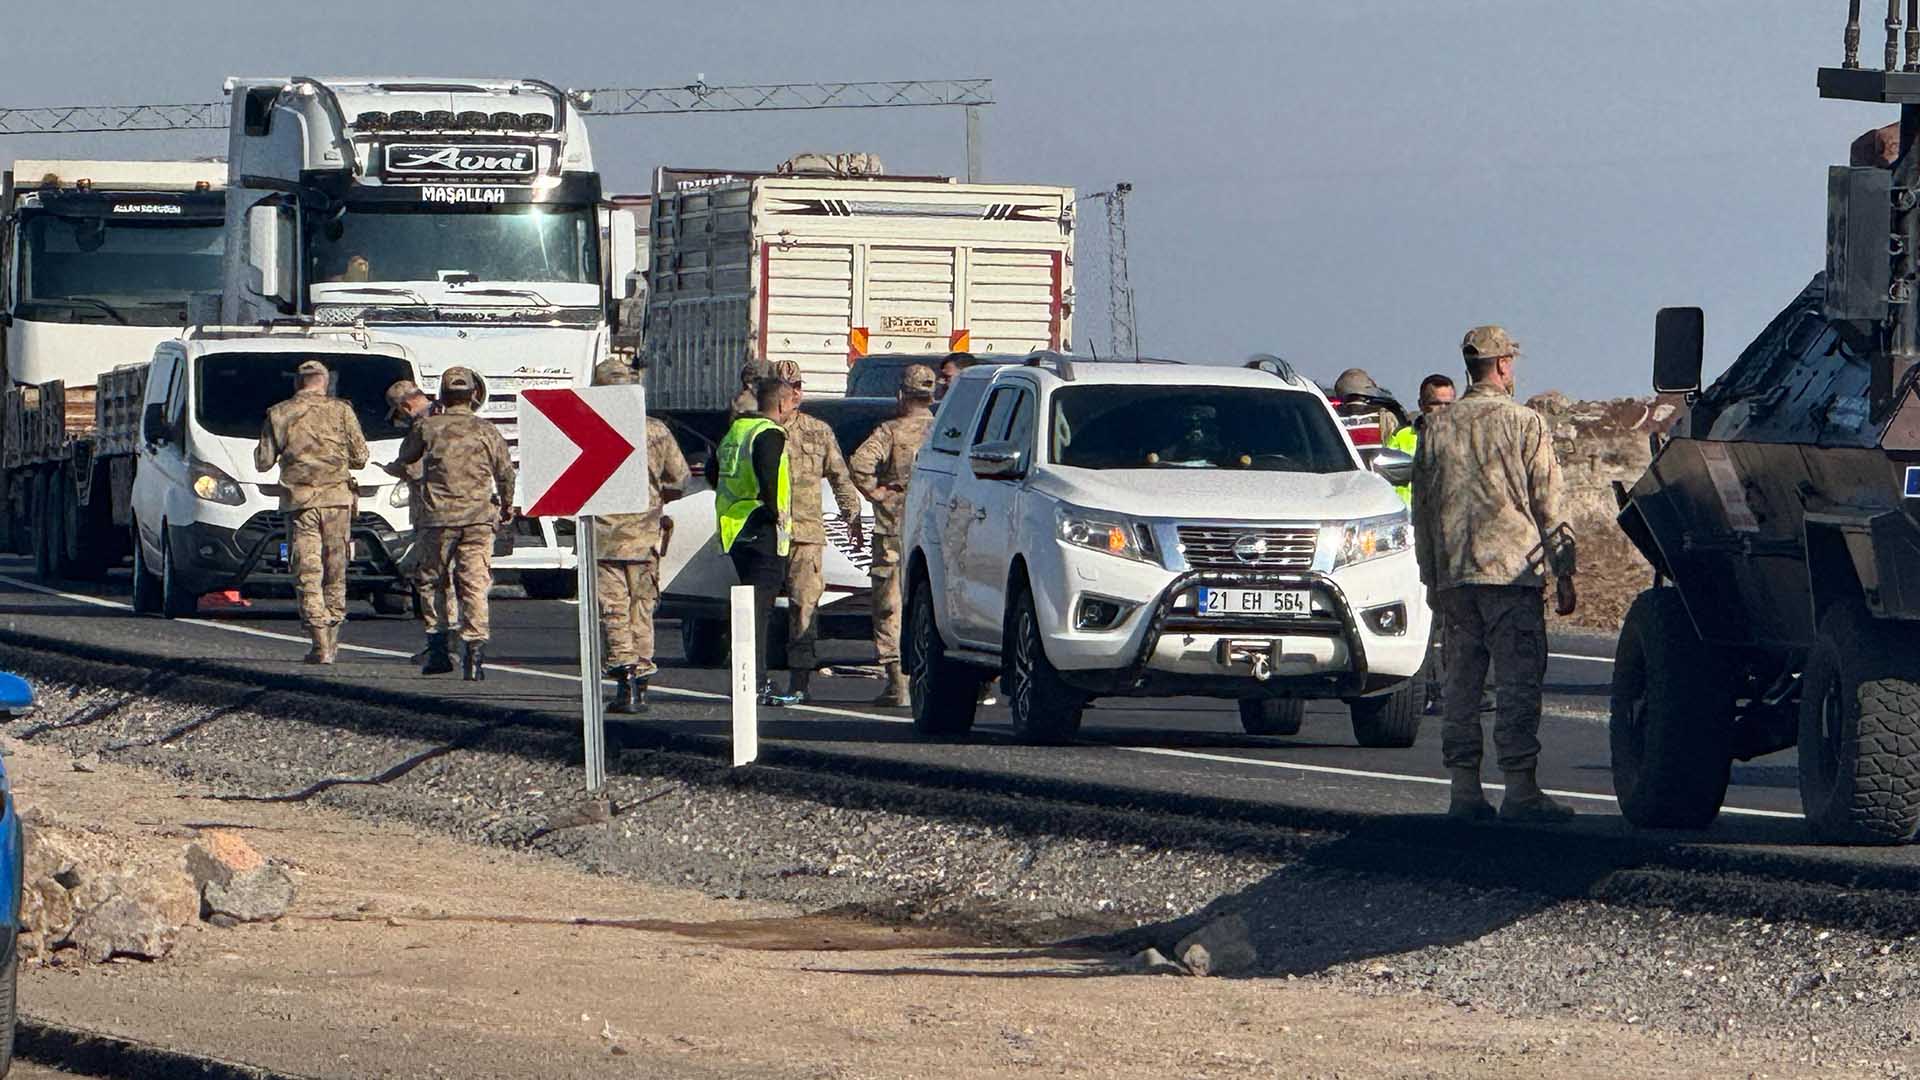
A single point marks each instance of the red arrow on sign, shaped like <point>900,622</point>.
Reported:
<point>602,450</point>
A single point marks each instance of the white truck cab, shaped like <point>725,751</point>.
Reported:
<point>1153,530</point>
<point>206,520</point>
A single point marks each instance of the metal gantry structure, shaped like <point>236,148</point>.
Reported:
<point>1125,338</point>
<point>697,97</point>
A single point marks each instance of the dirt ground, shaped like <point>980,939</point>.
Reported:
<point>409,955</point>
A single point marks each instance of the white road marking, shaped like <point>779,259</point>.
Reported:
<point>826,710</point>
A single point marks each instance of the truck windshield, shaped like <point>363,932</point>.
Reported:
<point>1194,427</point>
<point>233,391</point>
<point>86,268</point>
<point>496,243</point>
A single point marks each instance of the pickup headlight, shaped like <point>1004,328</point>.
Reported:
<point>1100,532</point>
<point>1368,538</point>
<point>215,486</point>
<point>401,495</point>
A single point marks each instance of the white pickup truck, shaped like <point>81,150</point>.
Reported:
<point>1156,530</point>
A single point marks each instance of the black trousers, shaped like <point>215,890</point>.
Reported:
<point>761,566</point>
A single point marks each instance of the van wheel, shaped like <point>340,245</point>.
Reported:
<point>175,601</point>
<point>391,602</point>
<point>703,641</point>
<point>1045,709</point>
<point>945,694</point>
<point>1860,731</point>
<point>1272,716</point>
<point>146,584</point>
<point>1389,721</point>
<point>1671,721</point>
<point>549,584</point>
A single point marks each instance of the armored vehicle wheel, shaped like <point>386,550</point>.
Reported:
<point>1860,731</point>
<point>1272,716</point>
<point>1672,717</point>
<point>945,694</point>
<point>1388,721</point>
<point>1045,709</point>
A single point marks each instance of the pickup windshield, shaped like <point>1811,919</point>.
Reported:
<point>88,269</point>
<point>1194,427</point>
<point>505,243</point>
<point>233,391</point>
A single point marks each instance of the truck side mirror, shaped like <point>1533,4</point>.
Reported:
<point>623,253</point>
<point>153,424</point>
<point>267,249</point>
<point>1679,342</point>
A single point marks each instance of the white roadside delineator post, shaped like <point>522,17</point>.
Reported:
<point>746,696</point>
<point>593,707</point>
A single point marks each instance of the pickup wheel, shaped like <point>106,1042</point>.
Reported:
<point>176,602</point>
<point>1389,721</point>
<point>1045,709</point>
<point>1672,717</point>
<point>945,694</point>
<point>146,584</point>
<point>1272,716</point>
<point>1860,730</point>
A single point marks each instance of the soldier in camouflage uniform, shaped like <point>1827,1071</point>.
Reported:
<point>813,455</point>
<point>466,489</point>
<point>628,549</point>
<point>1486,519</point>
<point>881,468</point>
<point>407,404</point>
<point>316,441</point>
<point>752,374</point>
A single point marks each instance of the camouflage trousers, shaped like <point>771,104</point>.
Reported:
<point>1505,626</point>
<point>886,598</point>
<point>437,609</point>
<point>805,583</point>
<point>318,540</point>
<point>463,556</point>
<point>629,594</point>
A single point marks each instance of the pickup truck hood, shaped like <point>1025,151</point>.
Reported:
<point>1222,494</point>
<point>235,457</point>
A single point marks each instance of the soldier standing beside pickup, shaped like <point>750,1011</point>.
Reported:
<point>813,455</point>
<point>316,440</point>
<point>753,509</point>
<point>1486,514</point>
<point>466,487</point>
<point>881,468</point>
<point>407,404</point>
<point>628,549</point>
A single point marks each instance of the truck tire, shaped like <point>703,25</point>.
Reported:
<point>1388,721</point>
<point>1672,717</point>
<point>945,693</point>
<point>146,583</point>
<point>1046,711</point>
<point>703,641</point>
<point>550,584</point>
<point>1860,731</point>
<point>12,531</point>
<point>1272,716</point>
<point>176,600</point>
<point>49,531</point>
<point>92,541</point>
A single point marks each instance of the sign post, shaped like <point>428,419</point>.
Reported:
<point>583,453</point>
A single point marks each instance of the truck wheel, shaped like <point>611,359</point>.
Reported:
<point>1272,716</point>
<point>1389,721</point>
<point>703,641</point>
<point>1672,717</point>
<point>176,602</point>
<point>49,532</point>
<point>1860,731</point>
<point>1045,709</point>
<point>549,584</point>
<point>11,533</point>
<point>146,584</point>
<point>90,536</point>
<point>945,694</point>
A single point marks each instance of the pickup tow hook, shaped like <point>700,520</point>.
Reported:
<point>1259,655</point>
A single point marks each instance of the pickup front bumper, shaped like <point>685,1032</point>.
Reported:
<point>249,559</point>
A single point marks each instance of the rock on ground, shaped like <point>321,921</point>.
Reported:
<point>262,894</point>
<point>123,927</point>
<point>1222,947</point>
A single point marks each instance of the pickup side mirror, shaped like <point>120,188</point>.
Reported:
<point>1395,465</point>
<point>1679,342</point>
<point>998,461</point>
<point>267,249</point>
<point>153,424</point>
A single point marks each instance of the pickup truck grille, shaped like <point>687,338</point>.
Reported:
<point>1216,547</point>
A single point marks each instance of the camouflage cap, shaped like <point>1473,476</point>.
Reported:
<point>1488,343</point>
<point>787,371</point>
<point>753,371</point>
<point>397,396</point>
<point>1355,382</point>
<point>614,372</point>
<point>458,378</point>
<point>311,366</point>
<point>917,381</point>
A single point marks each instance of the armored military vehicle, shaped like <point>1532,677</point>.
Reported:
<point>1780,518</point>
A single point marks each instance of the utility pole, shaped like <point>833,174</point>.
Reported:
<point>1125,339</point>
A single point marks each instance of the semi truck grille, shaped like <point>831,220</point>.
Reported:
<point>1218,547</point>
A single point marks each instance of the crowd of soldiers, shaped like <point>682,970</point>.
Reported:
<point>1485,500</point>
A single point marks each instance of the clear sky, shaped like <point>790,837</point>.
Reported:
<point>1342,182</point>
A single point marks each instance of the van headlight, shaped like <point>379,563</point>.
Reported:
<point>215,486</point>
<point>401,495</point>
<point>1368,538</point>
<point>1100,532</point>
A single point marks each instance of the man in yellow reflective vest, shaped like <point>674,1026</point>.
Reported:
<point>753,509</point>
<point>1436,393</point>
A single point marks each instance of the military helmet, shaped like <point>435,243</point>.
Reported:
<point>1355,382</point>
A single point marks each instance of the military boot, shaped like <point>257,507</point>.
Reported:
<point>333,644</point>
<point>439,660</point>
<point>1469,799</point>
<point>637,690</point>
<point>622,699</point>
<point>474,662</point>
<point>799,682</point>
<point>1525,802</point>
<point>317,654</point>
<point>894,696</point>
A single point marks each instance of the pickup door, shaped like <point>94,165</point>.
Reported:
<point>986,515</point>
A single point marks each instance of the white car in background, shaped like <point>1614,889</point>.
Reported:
<point>1086,530</point>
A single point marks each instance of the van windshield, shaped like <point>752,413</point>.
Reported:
<point>233,391</point>
<point>1194,427</point>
